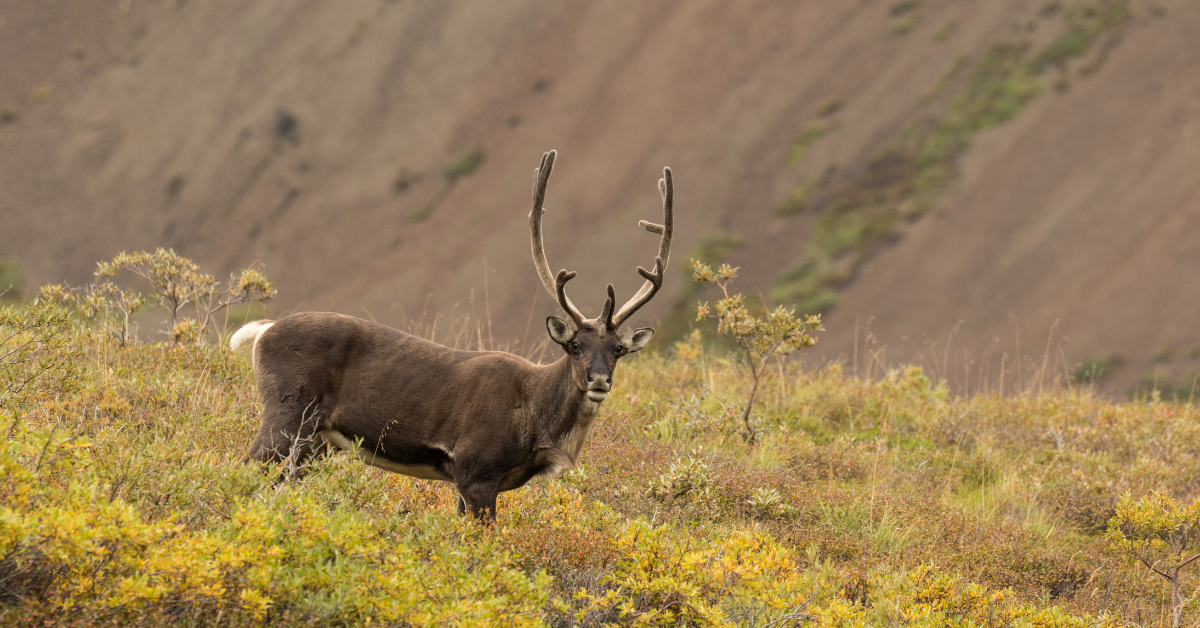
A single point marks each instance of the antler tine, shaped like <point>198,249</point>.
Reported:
<point>560,292</point>
<point>653,280</point>
<point>606,315</point>
<point>541,176</point>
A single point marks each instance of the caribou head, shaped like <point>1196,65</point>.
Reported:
<point>593,346</point>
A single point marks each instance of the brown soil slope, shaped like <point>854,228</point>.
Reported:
<point>314,137</point>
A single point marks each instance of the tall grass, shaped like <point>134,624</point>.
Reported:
<point>876,499</point>
<point>1003,368</point>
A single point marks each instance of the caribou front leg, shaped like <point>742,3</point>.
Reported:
<point>478,497</point>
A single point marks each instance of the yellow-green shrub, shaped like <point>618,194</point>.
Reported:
<point>67,551</point>
<point>123,501</point>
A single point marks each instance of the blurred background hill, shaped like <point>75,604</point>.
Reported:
<point>1012,177</point>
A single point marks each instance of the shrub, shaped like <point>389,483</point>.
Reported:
<point>1162,535</point>
<point>69,553</point>
<point>768,502</point>
<point>37,354</point>
<point>1085,24</point>
<point>864,502</point>
<point>812,132</point>
<point>797,200</point>
<point>685,479</point>
<point>177,286</point>
<point>759,339</point>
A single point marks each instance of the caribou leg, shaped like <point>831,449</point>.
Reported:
<point>478,498</point>
<point>287,433</point>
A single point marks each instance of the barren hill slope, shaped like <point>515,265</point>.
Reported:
<point>376,155</point>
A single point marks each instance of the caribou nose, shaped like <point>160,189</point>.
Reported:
<point>598,387</point>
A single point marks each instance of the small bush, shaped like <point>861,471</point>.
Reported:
<point>944,31</point>
<point>768,502</point>
<point>38,356</point>
<point>1159,384</point>
<point>759,339</point>
<point>1085,24</point>
<point>829,107</point>
<point>423,214</point>
<point>405,180</point>
<point>1162,535</point>
<point>902,25</point>
<point>685,479</point>
<point>191,298</point>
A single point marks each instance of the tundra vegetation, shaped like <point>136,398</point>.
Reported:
<point>758,339</point>
<point>883,501</point>
<point>903,177</point>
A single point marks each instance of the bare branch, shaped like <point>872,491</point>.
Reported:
<point>1188,561</point>
<point>1151,567</point>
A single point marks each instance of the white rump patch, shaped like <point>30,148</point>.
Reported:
<point>249,332</point>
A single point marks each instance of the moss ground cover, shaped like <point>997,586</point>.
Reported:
<point>123,501</point>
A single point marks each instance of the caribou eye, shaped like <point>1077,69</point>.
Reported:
<point>574,346</point>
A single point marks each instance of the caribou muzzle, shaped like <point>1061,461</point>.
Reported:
<point>598,387</point>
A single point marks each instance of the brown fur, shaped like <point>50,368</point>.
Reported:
<point>487,421</point>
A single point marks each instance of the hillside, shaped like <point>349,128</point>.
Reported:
<point>375,157</point>
<point>124,501</point>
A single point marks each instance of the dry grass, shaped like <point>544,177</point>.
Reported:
<point>875,500</point>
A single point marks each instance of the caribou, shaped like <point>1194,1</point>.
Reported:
<point>486,421</point>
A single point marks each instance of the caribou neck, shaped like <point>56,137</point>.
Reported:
<point>565,412</point>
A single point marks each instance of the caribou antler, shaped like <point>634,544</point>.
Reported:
<point>653,280</point>
<point>560,293</point>
<point>554,285</point>
<point>606,315</point>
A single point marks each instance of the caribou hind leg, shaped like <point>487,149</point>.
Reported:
<point>287,433</point>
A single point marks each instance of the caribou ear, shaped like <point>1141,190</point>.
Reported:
<point>560,331</point>
<point>637,339</point>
